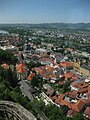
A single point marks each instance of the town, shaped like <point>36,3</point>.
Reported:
<point>46,70</point>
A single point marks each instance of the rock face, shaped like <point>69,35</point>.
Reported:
<point>14,111</point>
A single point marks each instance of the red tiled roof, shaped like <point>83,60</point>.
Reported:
<point>50,76</point>
<point>66,64</point>
<point>79,105</point>
<point>87,101</point>
<point>72,94</point>
<point>61,83</point>
<point>45,59</point>
<point>87,111</point>
<point>59,99</point>
<point>48,68</point>
<point>80,85</point>
<point>39,70</point>
<point>71,112</point>
<point>31,76</point>
<point>88,93</point>
<point>83,90</point>
<point>74,106</point>
<point>74,78</point>
<point>20,68</point>
<point>69,75</point>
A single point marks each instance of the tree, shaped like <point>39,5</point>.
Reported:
<point>66,86</point>
<point>33,64</point>
<point>78,116</point>
<point>7,57</point>
<point>12,78</point>
<point>37,81</point>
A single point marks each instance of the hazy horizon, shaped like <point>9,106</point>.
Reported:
<point>49,23</point>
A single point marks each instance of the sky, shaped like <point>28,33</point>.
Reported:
<point>44,11</point>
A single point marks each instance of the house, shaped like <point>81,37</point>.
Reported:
<point>76,65</point>
<point>5,66</point>
<point>47,72</point>
<point>39,70</point>
<point>87,101</point>
<point>87,112</point>
<point>21,71</point>
<point>71,113</point>
<point>84,69</point>
<point>47,87</point>
<point>45,61</point>
<point>59,58</point>
<point>77,106</point>
<point>41,50</point>
<point>31,75</point>
<point>73,94</point>
<point>26,89</point>
<point>9,48</point>
<point>67,64</point>
<point>78,86</point>
<point>70,75</point>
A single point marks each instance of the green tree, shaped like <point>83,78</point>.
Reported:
<point>37,81</point>
<point>78,116</point>
<point>66,86</point>
<point>7,57</point>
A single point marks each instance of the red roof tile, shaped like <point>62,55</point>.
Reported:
<point>71,112</point>
<point>39,70</point>
<point>87,111</point>
<point>74,106</point>
<point>72,94</point>
<point>79,105</point>
<point>66,64</point>
<point>69,75</point>
<point>31,76</point>
<point>83,90</point>
<point>87,101</point>
<point>80,85</point>
<point>20,68</point>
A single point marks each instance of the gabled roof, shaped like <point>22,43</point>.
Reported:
<point>59,99</point>
<point>80,85</point>
<point>20,68</point>
<point>79,105</point>
<point>31,75</point>
<point>66,64</point>
<point>72,94</point>
<point>83,90</point>
<point>74,106</point>
<point>50,76</point>
<point>39,70</point>
<point>69,75</point>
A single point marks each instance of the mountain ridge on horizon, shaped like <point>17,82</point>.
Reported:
<point>56,25</point>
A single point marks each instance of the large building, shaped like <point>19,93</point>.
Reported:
<point>84,69</point>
